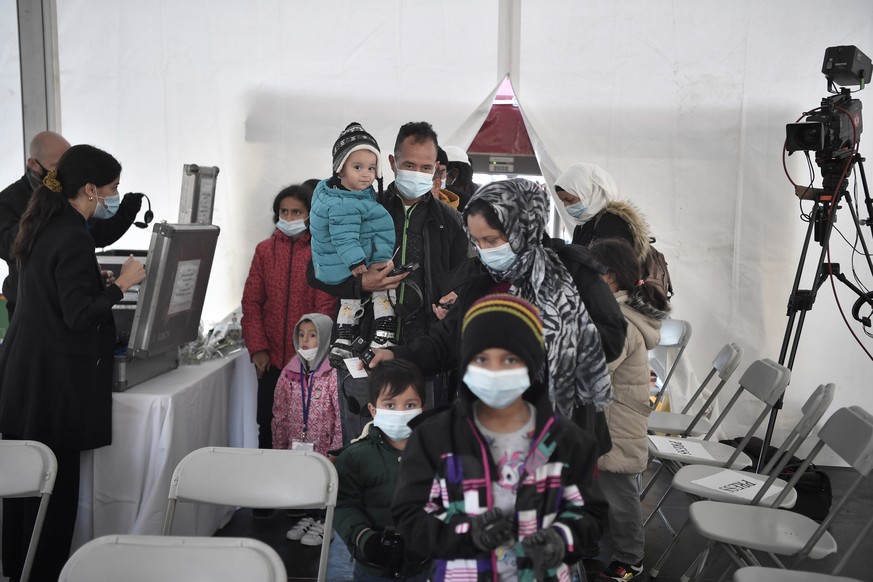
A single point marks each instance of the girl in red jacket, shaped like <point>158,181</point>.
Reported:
<point>276,296</point>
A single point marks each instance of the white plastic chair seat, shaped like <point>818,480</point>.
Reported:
<point>677,423</point>
<point>761,574</point>
<point>720,453</point>
<point>139,558</point>
<point>759,528</point>
<point>684,479</point>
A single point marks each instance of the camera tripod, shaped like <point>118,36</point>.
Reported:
<point>835,173</point>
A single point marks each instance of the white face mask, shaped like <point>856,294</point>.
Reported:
<point>308,353</point>
<point>413,185</point>
<point>291,227</point>
<point>497,389</point>
<point>394,422</point>
<point>442,184</point>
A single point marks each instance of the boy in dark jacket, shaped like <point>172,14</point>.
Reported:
<point>498,486</point>
<point>368,470</point>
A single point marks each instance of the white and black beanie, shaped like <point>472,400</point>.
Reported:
<point>353,138</point>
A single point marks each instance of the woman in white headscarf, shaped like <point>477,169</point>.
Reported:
<point>590,198</point>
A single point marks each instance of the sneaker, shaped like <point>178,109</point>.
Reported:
<point>262,513</point>
<point>300,528</point>
<point>315,535</point>
<point>621,572</point>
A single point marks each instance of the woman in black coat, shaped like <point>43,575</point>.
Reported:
<point>56,359</point>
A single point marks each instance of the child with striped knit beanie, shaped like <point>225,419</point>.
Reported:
<point>350,231</point>
<point>499,485</point>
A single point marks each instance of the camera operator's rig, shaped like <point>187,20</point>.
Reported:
<point>833,132</point>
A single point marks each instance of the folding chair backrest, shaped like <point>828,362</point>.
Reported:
<point>726,360</point>
<point>28,469</point>
<point>764,379</point>
<point>257,478</point>
<point>138,558</point>
<point>849,433</point>
<point>675,333</point>
<point>725,363</point>
<point>812,412</point>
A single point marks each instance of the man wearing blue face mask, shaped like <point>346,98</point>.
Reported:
<point>46,148</point>
<point>427,232</point>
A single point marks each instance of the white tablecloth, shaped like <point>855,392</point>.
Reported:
<point>124,486</point>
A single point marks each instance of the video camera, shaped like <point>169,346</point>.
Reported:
<point>834,129</point>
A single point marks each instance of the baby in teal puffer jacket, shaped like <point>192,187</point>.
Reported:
<point>350,231</point>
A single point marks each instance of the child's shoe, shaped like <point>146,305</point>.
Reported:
<point>621,572</point>
<point>315,535</point>
<point>342,347</point>
<point>300,528</point>
<point>385,329</point>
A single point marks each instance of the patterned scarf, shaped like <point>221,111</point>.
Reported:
<point>577,369</point>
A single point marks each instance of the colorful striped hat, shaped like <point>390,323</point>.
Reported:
<point>503,321</point>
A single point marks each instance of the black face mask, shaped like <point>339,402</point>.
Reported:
<point>34,179</point>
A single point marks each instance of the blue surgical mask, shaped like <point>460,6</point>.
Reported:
<point>497,389</point>
<point>291,227</point>
<point>108,211</point>
<point>576,210</point>
<point>394,422</point>
<point>499,258</point>
<point>413,185</point>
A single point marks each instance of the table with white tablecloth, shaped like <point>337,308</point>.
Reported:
<point>124,486</point>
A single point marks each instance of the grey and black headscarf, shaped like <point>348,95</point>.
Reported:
<point>576,364</point>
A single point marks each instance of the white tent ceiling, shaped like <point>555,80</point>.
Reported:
<point>684,102</point>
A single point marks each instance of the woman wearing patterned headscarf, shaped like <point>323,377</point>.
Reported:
<point>505,222</point>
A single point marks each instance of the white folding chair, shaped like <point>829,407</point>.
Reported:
<point>685,424</point>
<point>741,529</point>
<point>675,333</point>
<point>257,478</point>
<point>28,469</point>
<point>714,483</point>
<point>762,574</point>
<point>765,380</point>
<point>140,558</point>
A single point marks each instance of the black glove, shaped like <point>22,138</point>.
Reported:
<point>546,550</point>
<point>491,530</point>
<point>131,204</point>
<point>383,549</point>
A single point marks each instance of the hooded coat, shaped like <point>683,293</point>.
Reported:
<point>305,404</point>
<point>446,479</point>
<point>627,416</point>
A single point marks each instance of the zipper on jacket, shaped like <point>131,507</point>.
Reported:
<point>406,215</point>
<point>285,357</point>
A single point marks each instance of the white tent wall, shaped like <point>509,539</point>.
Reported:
<point>684,103</point>
<point>261,89</point>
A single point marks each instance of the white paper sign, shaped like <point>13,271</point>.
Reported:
<point>737,484</point>
<point>683,447</point>
<point>356,367</point>
<point>183,286</point>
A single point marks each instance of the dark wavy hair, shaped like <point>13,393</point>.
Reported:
<point>623,262</point>
<point>298,191</point>
<point>80,165</point>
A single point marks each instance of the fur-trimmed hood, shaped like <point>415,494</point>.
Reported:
<point>633,216</point>
<point>644,316</point>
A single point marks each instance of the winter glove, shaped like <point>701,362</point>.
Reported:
<point>383,549</point>
<point>545,549</point>
<point>131,204</point>
<point>491,530</point>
